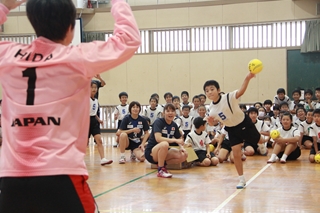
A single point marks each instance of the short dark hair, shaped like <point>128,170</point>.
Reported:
<point>211,83</point>
<point>133,103</point>
<point>94,82</point>
<point>198,121</point>
<point>184,93</point>
<point>195,97</point>
<point>310,110</point>
<point>243,106</point>
<point>169,106</point>
<point>51,19</point>
<point>202,95</point>
<point>123,94</point>
<point>175,97</point>
<point>155,95</point>
<point>316,111</point>
<point>296,91</point>
<point>281,90</point>
<point>287,114</point>
<point>276,107</point>
<point>283,103</point>
<point>308,91</point>
<point>305,112</point>
<point>167,94</point>
<point>153,98</point>
<point>317,89</point>
<point>252,109</point>
<point>257,103</point>
<point>268,101</point>
<point>185,107</point>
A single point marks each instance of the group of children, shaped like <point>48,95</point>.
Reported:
<point>235,130</point>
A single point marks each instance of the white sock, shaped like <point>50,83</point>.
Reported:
<point>262,148</point>
<point>284,157</point>
<point>122,155</point>
<point>241,178</point>
<point>273,157</point>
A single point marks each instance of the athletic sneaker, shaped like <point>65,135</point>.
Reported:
<point>105,161</point>
<point>164,173</point>
<point>132,156</point>
<point>122,160</point>
<point>241,185</point>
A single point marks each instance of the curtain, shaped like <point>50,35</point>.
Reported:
<point>311,42</point>
<point>94,36</point>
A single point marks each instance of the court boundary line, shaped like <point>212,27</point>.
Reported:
<point>126,183</point>
<point>226,201</point>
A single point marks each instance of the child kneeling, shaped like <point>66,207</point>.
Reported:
<point>200,140</point>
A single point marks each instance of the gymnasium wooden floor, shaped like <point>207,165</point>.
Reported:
<point>134,187</point>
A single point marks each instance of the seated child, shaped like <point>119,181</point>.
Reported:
<point>314,133</point>
<point>224,149</point>
<point>305,139</point>
<point>250,148</point>
<point>200,141</point>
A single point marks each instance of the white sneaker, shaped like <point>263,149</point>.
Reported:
<point>241,185</point>
<point>132,156</point>
<point>164,173</point>
<point>122,160</point>
<point>105,161</point>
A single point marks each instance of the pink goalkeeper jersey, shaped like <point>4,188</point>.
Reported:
<point>45,103</point>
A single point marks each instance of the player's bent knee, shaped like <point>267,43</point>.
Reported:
<point>249,152</point>
<point>214,161</point>
<point>123,136</point>
<point>206,162</point>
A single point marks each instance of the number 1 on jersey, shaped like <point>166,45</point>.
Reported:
<point>30,73</point>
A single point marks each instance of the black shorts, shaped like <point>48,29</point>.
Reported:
<point>50,194</point>
<point>254,146</point>
<point>202,155</point>
<point>133,145</point>
<point>94,128</point>
<point>226,145</point>
<point>246,131</point>
<point>185,133</point>
<point>147,154</point>
<point>293,155</point>
<point>306,138</point>
<point>313,151</point>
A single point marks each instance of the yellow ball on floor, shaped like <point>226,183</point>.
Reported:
<point>274,134</point>
<point>317,158</point>
<point>255,66</point>
<point>211,147</point>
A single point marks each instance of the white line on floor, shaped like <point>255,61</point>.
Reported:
<point>226,201</point>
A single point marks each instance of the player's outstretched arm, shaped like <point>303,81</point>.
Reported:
<point>245,84</point>
<point>12,4</point>
<point>6,6</point>
<point>99,56</point>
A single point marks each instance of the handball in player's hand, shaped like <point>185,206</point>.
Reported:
<point>274,134</point>
<point>255,66</point>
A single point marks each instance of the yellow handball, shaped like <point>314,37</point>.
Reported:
<point>317,158</point>
<point>211,147</point>
<point>274,134</point>
<point>255,66</point>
